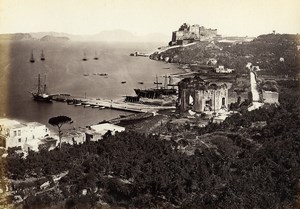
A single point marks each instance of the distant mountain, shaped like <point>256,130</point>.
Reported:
<point>105,36</point>
<point>16,36</point>
<point>54,38</point>
<point>108,36</point>
<point>39,35</point>
<point>126,36</point>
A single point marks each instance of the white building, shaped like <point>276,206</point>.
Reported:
<point>96,132</point>
<point>16,134</point>
<point>73,137</point>
<point>221,69</point>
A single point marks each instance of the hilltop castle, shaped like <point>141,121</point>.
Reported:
<point>188,34</point>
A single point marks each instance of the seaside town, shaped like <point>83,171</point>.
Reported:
<point>216,127</point>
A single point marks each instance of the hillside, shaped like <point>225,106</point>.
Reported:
<point>54,38</point>
<point>236,164</point>
<point>265,51</point>
<point>16,37</point>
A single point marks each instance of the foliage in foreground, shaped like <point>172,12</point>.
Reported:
<point>143,171</point>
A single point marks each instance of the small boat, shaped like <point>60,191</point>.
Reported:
<point>123,82</point>
<point>141,82</point>
<point>32,60</point>
<point>101,107</point>
<point>84,57</point>
<point>87,105</point>
<point>96,56</point>
<point>42,55</point>
<point>78,104</point>
<point>102,74</point>
<point>86,74</point>
<point>70,103</point>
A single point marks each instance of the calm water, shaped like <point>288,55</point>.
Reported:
<point>64,71</point>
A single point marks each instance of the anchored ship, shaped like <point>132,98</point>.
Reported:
<point>32,60</point>
<point>84,57</point>
<point>42,55</point>
<point>154,93</point>
<point>41,95</point>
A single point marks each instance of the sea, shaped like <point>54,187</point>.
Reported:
<point>63,71</point>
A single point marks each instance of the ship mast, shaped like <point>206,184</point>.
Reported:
<point>157,82</point>
<point>39,85</point>
<point>45,86</point>
<point>166,82</point>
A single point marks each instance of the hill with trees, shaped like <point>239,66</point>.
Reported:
<point>266,51</point>
<point>236,164</point>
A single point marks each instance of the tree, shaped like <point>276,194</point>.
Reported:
<point>59,121</point>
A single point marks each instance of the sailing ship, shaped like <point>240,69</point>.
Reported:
<point>42,55</point>
<point>84,57</point>
<point>155,93</point>
<point>32,60</point>
<point>96,56</point>
<point>41,94</point>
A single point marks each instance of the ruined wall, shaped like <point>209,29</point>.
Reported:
<point>196,95</point>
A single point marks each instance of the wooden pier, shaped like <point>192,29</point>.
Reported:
<point>112,104</point>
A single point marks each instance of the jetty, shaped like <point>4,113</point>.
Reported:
<point>118,104</point>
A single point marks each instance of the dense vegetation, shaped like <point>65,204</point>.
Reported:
<point>249,166</point>
<point>265,51</point>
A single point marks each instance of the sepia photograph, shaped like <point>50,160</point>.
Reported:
<point>149,104</point>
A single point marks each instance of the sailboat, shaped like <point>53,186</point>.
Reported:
<point>32,58</point>
<point>96,56</point>
<point>42,55</point>
<point>41,95</point>
<point>84,57</point>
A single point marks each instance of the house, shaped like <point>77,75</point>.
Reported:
<point>212,61</point>
<point>270,97</point>
<point>96,132</point>
<point>221,69</point>
<point>15,134</point>
<point>73,137</point>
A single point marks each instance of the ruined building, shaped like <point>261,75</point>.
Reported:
<point>200,96</point>
<point>188,34</point>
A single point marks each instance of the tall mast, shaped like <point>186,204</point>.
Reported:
<point>39,84</point>
<point>157,82</point>
<point>45,86</point>
<point>166,82</point>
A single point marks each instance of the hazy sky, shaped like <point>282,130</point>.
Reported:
<point>230,17</point>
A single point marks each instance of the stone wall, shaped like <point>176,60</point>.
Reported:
<point>200,96</point>
<point>187,34</point>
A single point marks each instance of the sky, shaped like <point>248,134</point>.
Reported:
<point>141,17</point>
